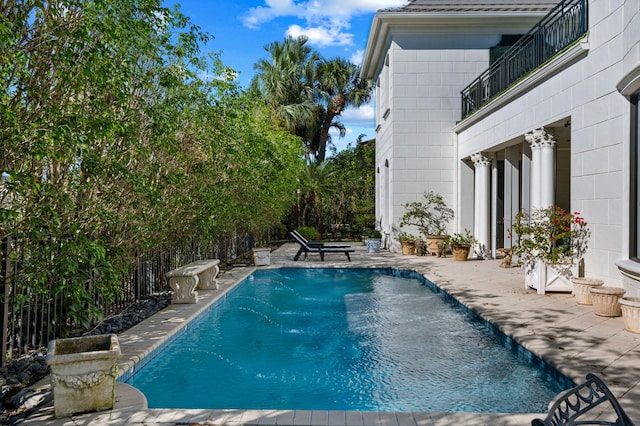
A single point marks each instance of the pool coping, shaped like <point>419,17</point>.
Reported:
<point>141,342</point>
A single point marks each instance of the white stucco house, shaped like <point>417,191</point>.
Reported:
<point>509,105</point>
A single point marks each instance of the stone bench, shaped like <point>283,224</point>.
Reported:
<point>199,274</point>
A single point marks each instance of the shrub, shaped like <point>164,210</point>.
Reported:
<point>308,232</point>
<point>430,216</point>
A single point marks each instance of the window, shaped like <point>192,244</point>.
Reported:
<point>634,202</point>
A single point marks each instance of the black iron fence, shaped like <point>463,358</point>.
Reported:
<point>32,317</point>
<point>565,24</point>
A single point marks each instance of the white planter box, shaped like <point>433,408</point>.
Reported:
<point>261,256</point>
<point>83,373</point>
<point>551,277</point>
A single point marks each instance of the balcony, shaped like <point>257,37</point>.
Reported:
<point>563,26</point>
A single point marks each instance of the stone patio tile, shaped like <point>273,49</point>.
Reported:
<point>405,419</point>
<point>319,418</point>
<point>251,416</point>
<point>285,417</point>
<point>302,417</point>
<point>353,418</point>
<point>370,418</point>
<point>336,418</point>
<point>388,419</point>
<point>267,417</point>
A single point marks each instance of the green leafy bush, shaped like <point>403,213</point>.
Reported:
<point>308,232</point>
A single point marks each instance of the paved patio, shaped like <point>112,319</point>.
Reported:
<point>553,326</point>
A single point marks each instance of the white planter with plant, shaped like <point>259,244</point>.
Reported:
<point>550,244</point>
<point>431,217</point>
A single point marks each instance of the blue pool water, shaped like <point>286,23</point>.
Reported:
<point>344,339</point>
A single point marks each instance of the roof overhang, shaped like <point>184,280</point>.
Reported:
<point>386,24</point>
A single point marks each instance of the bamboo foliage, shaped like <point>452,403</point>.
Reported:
<point>114,140</point>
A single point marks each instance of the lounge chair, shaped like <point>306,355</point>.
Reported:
<point>573,407</point>
<point>316,243</point>
<point>319,248</point>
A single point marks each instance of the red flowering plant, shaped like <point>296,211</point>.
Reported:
<point>552,235</point>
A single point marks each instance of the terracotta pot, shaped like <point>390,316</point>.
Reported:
<point>408,247</point>
<point>606,300</point>
<point>630,307</point>
<point>460,252</point>
<point>434,244</point>
<point>581,288</point>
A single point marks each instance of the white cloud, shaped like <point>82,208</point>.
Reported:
<point>357,57</point>
<point>357,121</point>
<point>273,9</point>
<point>363,116</point>
<point>325,20</point>
<point>322,36</point>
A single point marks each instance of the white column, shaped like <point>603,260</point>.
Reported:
<point>543,168</point>
<point>482,209</point>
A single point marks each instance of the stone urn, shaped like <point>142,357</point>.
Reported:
<point>630,307</point>
<point>83,373</point>
<point>605,300</point>
<point>581,288</point>
<point>261,256</point>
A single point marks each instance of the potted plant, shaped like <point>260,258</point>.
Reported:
<point>365,235</point>
<point>373,241</point>
<point>461,244</point>
<point>431,217</point>
<point>550,244</point>
<point>407,243</point>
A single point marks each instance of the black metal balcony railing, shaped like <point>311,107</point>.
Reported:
<point>565,24</point>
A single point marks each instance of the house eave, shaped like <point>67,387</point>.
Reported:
<point>436,24</point>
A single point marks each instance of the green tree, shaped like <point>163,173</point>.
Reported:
<point>286,79</point>
<point>308,93</point>
<point>114,141</point>
<point>338,86</point>
<point>354,173</point>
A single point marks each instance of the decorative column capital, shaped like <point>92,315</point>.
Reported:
<point>539,138</point>
<point>480,160</point>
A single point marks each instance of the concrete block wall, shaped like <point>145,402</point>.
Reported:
<point>424,109</point>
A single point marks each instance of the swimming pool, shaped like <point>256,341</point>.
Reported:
<point>344,339</point>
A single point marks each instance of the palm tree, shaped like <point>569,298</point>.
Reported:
<point>307,93</point>
<point>286,79</point>
<point>316,186</point>
<point>338,86</point>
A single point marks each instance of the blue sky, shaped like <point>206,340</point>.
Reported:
<point>335,28</point>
